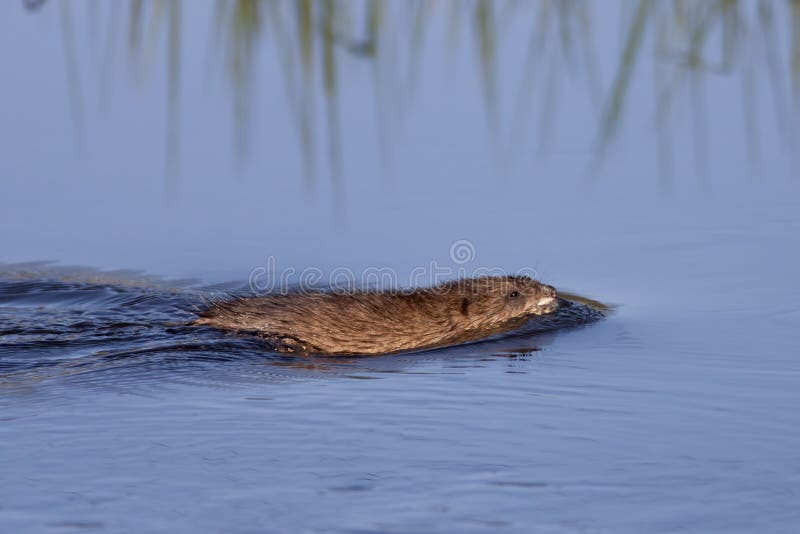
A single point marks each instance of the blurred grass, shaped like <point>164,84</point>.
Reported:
<point>689,39</point>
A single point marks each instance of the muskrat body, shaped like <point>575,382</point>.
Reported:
<point>378,322</point>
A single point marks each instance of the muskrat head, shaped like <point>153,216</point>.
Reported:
<point>493,300</point>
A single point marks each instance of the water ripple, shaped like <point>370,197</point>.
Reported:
<point>115,332</point>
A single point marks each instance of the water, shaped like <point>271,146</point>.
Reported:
<point>652,168</point>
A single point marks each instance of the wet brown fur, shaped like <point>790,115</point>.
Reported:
<point>375,322</point>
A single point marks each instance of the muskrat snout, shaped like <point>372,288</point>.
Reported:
<point>547,299</point>
<point>549,295</point>
<point>549,291</point>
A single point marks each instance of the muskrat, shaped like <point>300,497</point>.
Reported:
<point>379,322</point>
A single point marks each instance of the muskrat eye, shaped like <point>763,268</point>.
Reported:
<point>513,294</point>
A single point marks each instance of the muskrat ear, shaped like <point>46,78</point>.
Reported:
<point>465,306</point>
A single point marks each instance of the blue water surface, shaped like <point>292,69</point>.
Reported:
<point>167,181</point>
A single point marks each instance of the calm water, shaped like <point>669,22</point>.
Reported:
<point>641,154</point>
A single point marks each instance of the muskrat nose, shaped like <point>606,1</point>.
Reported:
<point>550,291</point>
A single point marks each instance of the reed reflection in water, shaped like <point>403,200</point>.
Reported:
<point>525,54</point>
